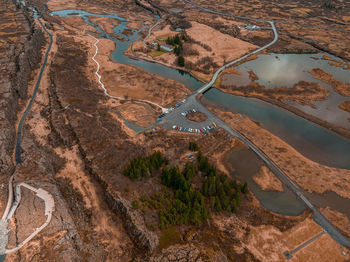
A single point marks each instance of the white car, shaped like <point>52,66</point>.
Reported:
<point>174,126</point>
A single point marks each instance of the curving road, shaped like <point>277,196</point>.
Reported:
<point>49,208</point>
<point>150,31</point>
<point>175,118</point>
<point>216,74</point>
<point>104,88</point>
<point>49,201</point>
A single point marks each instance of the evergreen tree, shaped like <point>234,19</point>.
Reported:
<point>212,202</point>
<point>233,206</point>
<point>193,146</point>
<point>177,40</point>
<point>205,188</point>
<point>244,189</point>
<point>218,207</point>
<point>237,197</point>
<point>181,61</point>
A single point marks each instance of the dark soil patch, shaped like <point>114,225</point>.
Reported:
<point>196,117</point>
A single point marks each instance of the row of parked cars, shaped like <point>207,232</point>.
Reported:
<point>205,129</point>
<point>172,108</point>
<point>188,112</point>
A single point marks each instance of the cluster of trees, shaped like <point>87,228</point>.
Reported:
<point>144,166</point>
<point>193,146</point>
<point>223,194</point>
<point>181,203</point>
<point>176,41</point>
<point>329,5</point>
<point>188,205</point>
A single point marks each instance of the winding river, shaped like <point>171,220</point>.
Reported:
<point>312,140</point>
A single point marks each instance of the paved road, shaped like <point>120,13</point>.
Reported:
<point>150,31</point>
<point>215,76</point>
<point>49,201</point>
<point>289,254</point>
<point>9,199</point>
<point>49,208</point>
<point>175,118</point>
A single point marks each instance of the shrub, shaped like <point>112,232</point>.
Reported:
<point>135,204</point>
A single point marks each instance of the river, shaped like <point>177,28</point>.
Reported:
<point>312,140</point>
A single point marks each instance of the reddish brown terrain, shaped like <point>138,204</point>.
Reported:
<point>196,116</point>
<point>76,142</point>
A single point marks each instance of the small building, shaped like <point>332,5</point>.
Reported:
<point>167,48</point>
<point>179,29</point>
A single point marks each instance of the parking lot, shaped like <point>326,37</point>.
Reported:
<point>176,119</point>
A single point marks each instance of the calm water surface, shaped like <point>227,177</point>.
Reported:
<point>313,141</point>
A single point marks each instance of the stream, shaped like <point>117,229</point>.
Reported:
<point>311,140</point>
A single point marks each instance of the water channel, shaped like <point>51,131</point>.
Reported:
<point>313,141</point>
<point>286,70</point>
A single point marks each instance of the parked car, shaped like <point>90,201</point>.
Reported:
<point>174,127</point>
<point>214,124</point>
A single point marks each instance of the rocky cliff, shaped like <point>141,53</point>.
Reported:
<point>21,55</point>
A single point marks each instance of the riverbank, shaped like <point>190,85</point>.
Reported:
<point>332,127</point>
<point>287,158</point>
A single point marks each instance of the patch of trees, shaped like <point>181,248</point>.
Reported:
<point>176,41</point>
<point>193,146</point>
<point>188,205</point>
<point>179,21</point>
<point>144,166</point>
<point>223,194</point>
<point>188,50</point>
<point>181,61</point>
<point>193,41</point>
<point>328,5</point>
<point>232,30</point>
<point>180,203</point>
<point>206,63</point>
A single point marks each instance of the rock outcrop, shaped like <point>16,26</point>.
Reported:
<point>134,222</point>
<point>18,59</point>
<point>177,253</point>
